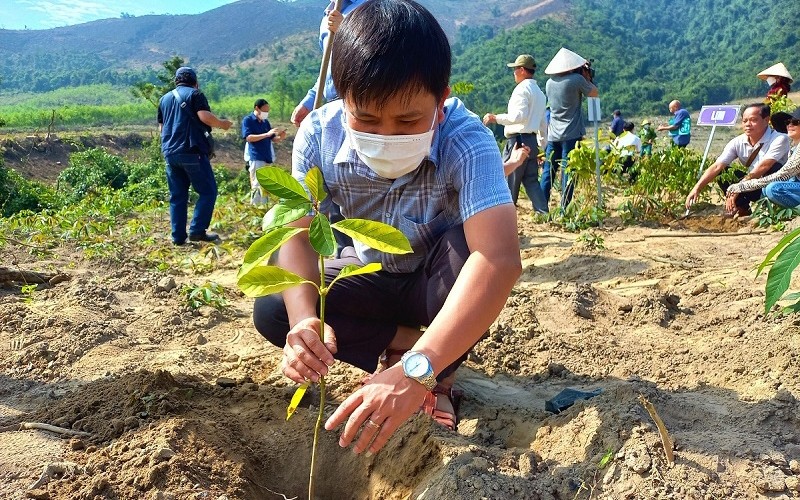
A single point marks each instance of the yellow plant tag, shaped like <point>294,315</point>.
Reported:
<point>296,398</point>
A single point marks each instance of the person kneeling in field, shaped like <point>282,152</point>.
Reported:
<point>398,150</point>
<point>782,187</point>
<point>761,149</point>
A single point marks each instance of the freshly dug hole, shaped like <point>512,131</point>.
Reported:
<point>155,432</point>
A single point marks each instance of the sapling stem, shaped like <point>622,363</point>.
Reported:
<point>322,293</point>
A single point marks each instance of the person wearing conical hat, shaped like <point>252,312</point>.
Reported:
<point>570,81</point>
<point>779,80</point>
<point>648,136</point>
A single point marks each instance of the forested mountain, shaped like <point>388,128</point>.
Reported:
<point>646,52</point>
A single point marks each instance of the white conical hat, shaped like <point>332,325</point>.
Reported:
<point>565,60</point>
<point>775,70</point>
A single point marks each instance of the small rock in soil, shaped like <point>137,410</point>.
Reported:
<point>226,382</point>
<point>166,284</point>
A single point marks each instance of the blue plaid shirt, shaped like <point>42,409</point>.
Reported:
<point>462,176</point>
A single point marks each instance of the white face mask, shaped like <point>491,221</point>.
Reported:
<point>392,156</point>
<point>771,80</point>
<point>263,114</point>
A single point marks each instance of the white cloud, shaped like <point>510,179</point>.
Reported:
<point>66,12</point>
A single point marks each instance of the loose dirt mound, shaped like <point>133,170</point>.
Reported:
<point>191,404</point>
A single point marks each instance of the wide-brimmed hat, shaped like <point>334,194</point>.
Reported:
<point>525,61</point>
<point>776,70</point>
<point>645,122</point>
<point>564,60</point>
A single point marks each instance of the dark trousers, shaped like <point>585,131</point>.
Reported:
<point>526,174</point>
<point>183,171</point>
<point>744,199</point>
<point>365,311</point>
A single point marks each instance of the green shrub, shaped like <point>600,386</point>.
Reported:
<point>90,170</point>
<point>18,193</point>
<point>663,182</point>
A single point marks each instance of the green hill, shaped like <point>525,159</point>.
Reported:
<point>645,53</point>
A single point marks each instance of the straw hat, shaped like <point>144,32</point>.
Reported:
<point>645,122</point>
<point>775,70</point>
<point>564,60</point>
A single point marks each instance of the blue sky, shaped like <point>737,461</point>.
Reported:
<point>43,14</point>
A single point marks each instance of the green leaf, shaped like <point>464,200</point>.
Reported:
<point>784,241</point>
<point>321,235</point>
<point>780,274</point>
<point>266,280</point>
<point>791,308</point>
<point>265,246</point>
<point>375,235</point>
<point>354,270</point>
<point>296,398</point>
<point>285,212</point>
<point>314,182</point>
<point>281,184</point>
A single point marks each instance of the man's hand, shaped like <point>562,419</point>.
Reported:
<point>299,114</point>
<point>730,202</point>
<point>377,410</point>
<point>305,356</point>
<point>334,20</point>
<point>692,198</point>
<point>225,124</point>
<point>278,134</point>
<point>489,118</point>
<point>519,154</point>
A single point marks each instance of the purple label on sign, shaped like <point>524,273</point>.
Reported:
<point>721,116</point>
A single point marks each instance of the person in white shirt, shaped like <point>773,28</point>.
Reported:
<point>761,149</point>
<point>782,187</point>
<point>629,146</point>
<point>525,124</point>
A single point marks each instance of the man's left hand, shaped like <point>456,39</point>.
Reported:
<point>730,202</point>
<point>376,410</point>
<point>489,118</point>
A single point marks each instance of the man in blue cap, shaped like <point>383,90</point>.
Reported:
<point>185,121</point>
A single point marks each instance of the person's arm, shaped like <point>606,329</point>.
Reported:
<point>791,169</point>
<point>587,87</point>
<point>709,175</point>
<point>518,156</point>
<point>211,120</point>
<point>305,357</point>
<point>471,306</point>
<point>274,134</point>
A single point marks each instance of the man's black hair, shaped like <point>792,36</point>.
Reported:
<point>259,103</point>
<point>763,109</point>
<point>386,48</point>
<point>627,126</point>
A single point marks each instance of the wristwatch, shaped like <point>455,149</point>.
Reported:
<point>418,367</point>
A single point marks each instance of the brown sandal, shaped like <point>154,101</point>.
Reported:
<point>447,419</point>
<point>384,362</point>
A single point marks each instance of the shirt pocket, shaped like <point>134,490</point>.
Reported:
<point>424,235</point>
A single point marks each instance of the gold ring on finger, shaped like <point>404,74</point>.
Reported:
<point>372,424</point>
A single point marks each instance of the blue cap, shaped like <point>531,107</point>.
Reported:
<point>185,74</point>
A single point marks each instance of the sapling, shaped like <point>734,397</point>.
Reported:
<point>257,278</point>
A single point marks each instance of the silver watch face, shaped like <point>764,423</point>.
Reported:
<point>416,365</point>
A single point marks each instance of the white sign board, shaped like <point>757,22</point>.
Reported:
<point>594,109</point>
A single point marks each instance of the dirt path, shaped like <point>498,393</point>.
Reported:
<point>191,404</point>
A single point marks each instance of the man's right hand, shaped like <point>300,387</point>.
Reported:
<point>692,198</point>
<point>225,124</point>
<point>299,114</point>
<point>305,356</point>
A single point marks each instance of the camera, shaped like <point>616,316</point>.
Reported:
<point>589,69</point>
